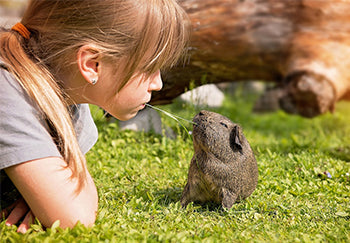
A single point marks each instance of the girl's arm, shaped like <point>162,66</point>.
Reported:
<point>50,193</point>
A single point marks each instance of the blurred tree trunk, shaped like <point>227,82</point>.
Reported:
<point>303,45</point>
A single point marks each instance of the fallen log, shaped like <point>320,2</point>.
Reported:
<point>301,45</point>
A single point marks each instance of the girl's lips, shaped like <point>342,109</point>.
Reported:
<point>144,104</point>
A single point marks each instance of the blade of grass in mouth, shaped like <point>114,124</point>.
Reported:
<point>175,117</point>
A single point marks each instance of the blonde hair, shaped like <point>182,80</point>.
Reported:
<point>148,34</point>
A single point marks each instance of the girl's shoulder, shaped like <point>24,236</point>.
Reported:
<point>13,97</point>
<point>25,134</point>
<point>10,87</point>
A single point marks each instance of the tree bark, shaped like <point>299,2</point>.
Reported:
<point>302,45</point>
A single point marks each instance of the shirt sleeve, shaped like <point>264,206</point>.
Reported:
<point>85,127</point>
<point>24,134</point>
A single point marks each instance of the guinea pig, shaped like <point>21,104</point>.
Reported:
<point>223,169</point>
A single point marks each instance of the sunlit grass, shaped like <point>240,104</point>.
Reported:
<point>303,193</point>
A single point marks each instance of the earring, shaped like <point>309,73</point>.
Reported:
<point>93,81</point>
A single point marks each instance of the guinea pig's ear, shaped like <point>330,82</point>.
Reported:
<point>235,140</point>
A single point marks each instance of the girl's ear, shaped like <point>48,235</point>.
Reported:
<point>88,58</point>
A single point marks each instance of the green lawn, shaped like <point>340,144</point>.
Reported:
<point>140,178</point>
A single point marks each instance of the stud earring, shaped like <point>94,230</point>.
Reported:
<point>93,81</point>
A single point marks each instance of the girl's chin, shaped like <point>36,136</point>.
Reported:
<point>128,115</point>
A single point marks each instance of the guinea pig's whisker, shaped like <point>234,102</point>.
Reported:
<point>175,117</point>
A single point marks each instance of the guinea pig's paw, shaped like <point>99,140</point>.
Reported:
<point>186,196</point>
<point>228,198</point>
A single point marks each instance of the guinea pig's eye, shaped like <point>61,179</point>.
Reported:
<point>224,124</point>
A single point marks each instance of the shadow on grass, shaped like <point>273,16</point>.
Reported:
<point>168,196</point>
<point>341,153</point>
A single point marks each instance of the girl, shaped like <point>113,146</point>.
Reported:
<point>62,55</point>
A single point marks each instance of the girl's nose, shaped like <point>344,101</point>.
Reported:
<point>156,82</point>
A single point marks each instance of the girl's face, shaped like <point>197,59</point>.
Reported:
<point>125,103</point>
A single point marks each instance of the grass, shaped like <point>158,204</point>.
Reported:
<point>140,178</point>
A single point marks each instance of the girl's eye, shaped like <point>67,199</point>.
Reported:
<point>224,124</point>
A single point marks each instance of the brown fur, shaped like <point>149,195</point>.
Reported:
<point>223,169</point>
